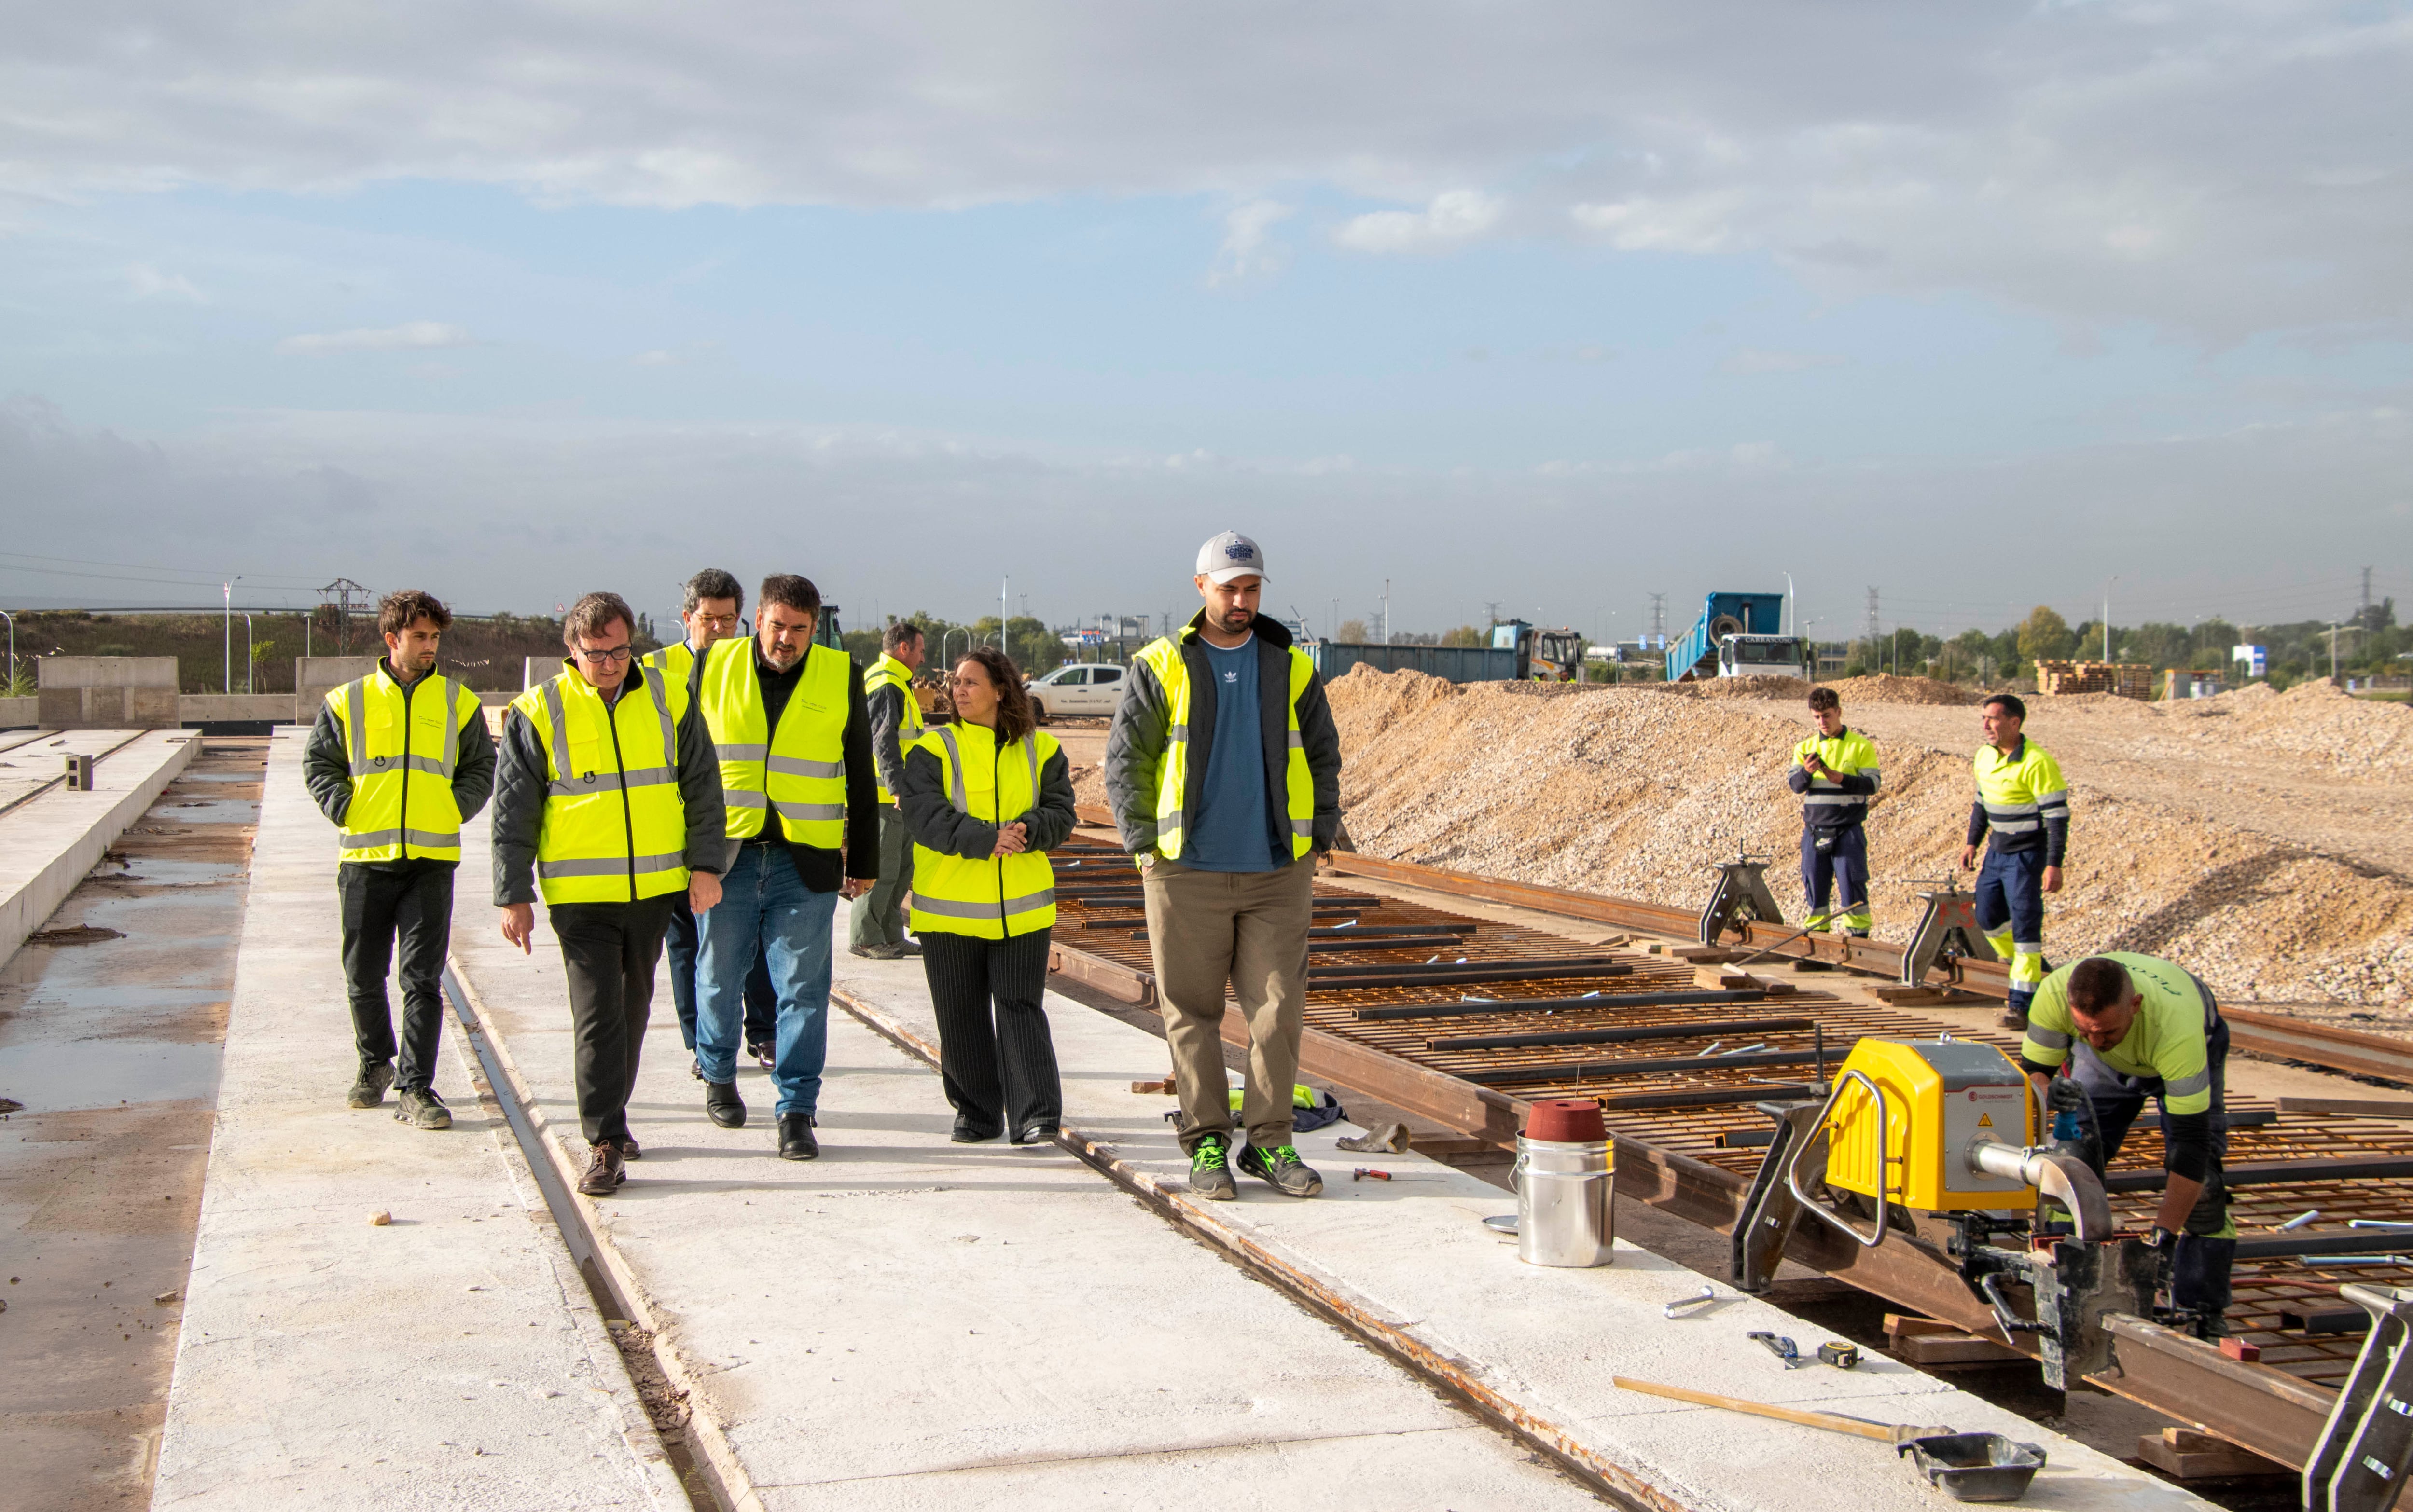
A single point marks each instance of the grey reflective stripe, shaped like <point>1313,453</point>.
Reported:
<point>612,782</point>
<point>955,766</point>
<point>434,838</point>
<point>2188,1086</point>
<point>2049,799</point>
<point>662,714</point>
<point>730,751</point>
<point>1030,758</point>
<point>609,865</point>
<point>1303,827</point>
<point>949,908</point>
<point>799,767</point>
<point>2012,811</point>
<point>356,717</point>
<point>2019,827</point>
<point>808,813</point>
<point>425,839</point>
<point>2028,947</point>
<point>426,764</point>
<point>2051,1039</point>
<point>371,839</point>
<point>560,726</point>
<point>739,797</point>
<point>452,740</point>
<point>1837,798</point>
<point>1181,730</point>
<point>1871,773</point>
<point>1044,897</point>
<point>1296,742</point>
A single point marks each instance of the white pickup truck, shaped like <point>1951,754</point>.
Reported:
<point>1082,690</point>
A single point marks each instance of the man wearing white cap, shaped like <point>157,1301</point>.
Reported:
<point>1224,770</point>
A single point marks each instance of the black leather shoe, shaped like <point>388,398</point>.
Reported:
<point>722,1104</point>
<point>796,1141</point>
<point>968,1132</point>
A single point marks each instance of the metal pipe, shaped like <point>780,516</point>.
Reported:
<point>1793,1165</point>
<point>1620,1037</point>
<point>1552,1005</point>
<point>2064,1179</point>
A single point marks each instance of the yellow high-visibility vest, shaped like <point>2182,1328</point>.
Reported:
<point>1164,657</point>
<point>615,828</point>
<point>674,660</point>
<point>890,672</point>
<point>391,733</point>
<point>989,897</point>
<point>799,768</point>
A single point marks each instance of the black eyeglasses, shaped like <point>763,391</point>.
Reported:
<point>611,657</point>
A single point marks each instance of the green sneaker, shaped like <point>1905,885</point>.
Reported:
<point>1210,1172</point>
<point>1282,1170</point>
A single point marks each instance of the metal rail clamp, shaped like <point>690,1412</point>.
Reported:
<point>1742,896</point>
<point>1947,929</point>
<point>2367,1445</point>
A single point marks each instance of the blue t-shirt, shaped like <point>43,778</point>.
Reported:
<point>1232,833</point>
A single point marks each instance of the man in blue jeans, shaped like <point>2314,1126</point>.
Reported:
<point>794,738</point>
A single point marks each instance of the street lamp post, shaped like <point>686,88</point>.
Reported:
<point>2107,614</point>
<point>1792,615</point>
<point>229,674</point>
<point>12,645</point>
<point>250,661</point>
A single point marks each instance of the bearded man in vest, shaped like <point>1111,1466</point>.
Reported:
<point>399,760</point>
<point>788,719</point>
<point>878,928</point>
<point>607,801</point>
<point>712,604</point>
<point>1224,770</point>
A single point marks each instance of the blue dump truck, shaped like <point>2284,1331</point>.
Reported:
<point>1737,635</point>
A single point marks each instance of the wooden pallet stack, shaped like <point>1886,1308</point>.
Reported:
<point>2129,680</point>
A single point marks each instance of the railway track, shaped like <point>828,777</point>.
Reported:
<point>1466,1022</point>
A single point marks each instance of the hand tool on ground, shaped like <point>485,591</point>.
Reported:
<point>1782,1347</point>
<point>1832,1422</point>
<point>1706,1293</point>
<point>1841,1355</point>
<point>1363,1174</point>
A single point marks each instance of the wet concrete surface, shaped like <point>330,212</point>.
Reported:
<point>113,1047</point>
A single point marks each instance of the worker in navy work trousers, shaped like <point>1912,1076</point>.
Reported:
<point>2023,805</point>
<point>1835,771</point>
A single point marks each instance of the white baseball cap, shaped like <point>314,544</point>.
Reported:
<point>1230,555</point>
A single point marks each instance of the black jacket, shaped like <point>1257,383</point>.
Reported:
<point>1142,728</point>
<point>327,769</point>
<point>934,821</point>
<point>521,786</point>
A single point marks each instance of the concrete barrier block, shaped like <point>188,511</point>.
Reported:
<point>107,672</point>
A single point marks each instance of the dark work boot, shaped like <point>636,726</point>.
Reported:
<point>368,1089</point>
<point>422,1109</point>
<point>722,1104</point>
<point>2199,1279</point>
<point>604,1170</point>
<point>968,1132</point>
<point>796,1141</point>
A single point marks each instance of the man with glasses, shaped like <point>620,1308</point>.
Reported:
<point>713,602</point>
<point>608,801</point>
<point>878,928</point>
<point>794,738</point>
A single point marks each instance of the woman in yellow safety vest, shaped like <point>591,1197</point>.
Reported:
<point>985,797</point>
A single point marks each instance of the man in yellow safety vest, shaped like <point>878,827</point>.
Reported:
<point>1224,766</point>
<point>399,760</point>
<point>607,801</point>
<point>788,719</point>
<point>2022,815</point>
<point>878,928</point>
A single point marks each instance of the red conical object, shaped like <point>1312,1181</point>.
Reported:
<point>1566,1121</point>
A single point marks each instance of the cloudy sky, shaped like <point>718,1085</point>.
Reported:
<point>1550,307</point>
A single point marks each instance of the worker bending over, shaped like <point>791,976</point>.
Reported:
<point>1224,766</point>
<point>1835,770</point>
<point>2024,804</point>
<point>712,603</point>
<point>2140,1027</point>
<point>401,841</point>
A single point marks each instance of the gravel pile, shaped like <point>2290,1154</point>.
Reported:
<point>1628,791</point>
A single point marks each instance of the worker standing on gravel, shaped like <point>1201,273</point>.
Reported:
<point>712,601</point>
<point>401,841</point>
<point>876,930</point>
<point>607,800</point>
<point>2134,1027</point>
<point>1835,770</point>
<point>1224,766</point>
<point>2024,804</point>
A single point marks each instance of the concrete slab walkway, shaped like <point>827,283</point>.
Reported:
<point>450,1360</point>
<point>1410,1260</point>
<point>56,837</point>
<point>910,1323</point>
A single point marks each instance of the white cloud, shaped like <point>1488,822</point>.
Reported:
<point>144,282</point>
<point>1455,216</point>
<point>1750,361</point>
<point>417,336</point>
<point>1247,251</point>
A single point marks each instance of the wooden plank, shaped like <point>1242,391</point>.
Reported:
<point>2191,1455</point>
<point>1956,1349</point>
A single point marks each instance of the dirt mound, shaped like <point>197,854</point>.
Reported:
<point>1629,792</point>
<point>1888,689</point>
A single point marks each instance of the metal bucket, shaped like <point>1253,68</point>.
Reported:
<point>1562,1201</point>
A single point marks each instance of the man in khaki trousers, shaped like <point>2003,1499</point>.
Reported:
<point>1224,766</point>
